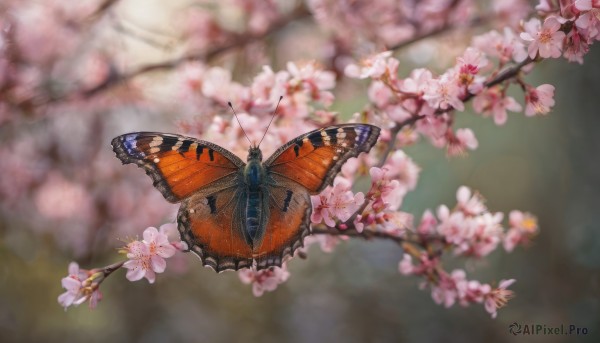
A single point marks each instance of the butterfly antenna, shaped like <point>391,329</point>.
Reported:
<point>238,120</point>
<point>272,117</point>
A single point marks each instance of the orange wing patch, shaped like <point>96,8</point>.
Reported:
<point>314,159</point>
<point>288,224</point>
<point>210,223</point>
<point>178,165</point>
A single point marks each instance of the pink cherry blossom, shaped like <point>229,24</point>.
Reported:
<point>402,168</point>
<point>418,82</point>
<point>336,202</point>
<point>147,257</point>
<point>498,297</point>
<point>426,265</point>
<point>546,38</point>
<point>470,203</point>
<point>444,93</point>
<point>577,46</point>
<point>81,286</point>
<point>264,280</point>
<point>384,191</point>
<point>506,46</point>
<point>472,61</point>
<point>522,227</point>
<point>372,67</point>
<point>588,24</point>
<point>405,266</point>
<point>428,224</point>
<point>72,283</point>
<point>327,243</point>
<point>158,243</point>
<point>539,100</point>
<point>461,141</point>
<point>314,81</point>
<point>140,263</point>
<point>492,102</point>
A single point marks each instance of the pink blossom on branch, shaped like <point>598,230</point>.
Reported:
<point>545,39</point>
<point>264,280</point>
<point>337,202</point>
<point>147,257</point>
<point>81,285</point>
<point>539,100</point>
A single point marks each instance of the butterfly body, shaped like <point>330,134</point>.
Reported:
<point>234,214</point>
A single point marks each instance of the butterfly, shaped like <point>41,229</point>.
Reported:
<point>237,214</point>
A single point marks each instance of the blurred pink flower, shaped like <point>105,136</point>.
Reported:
<point>59,198</point>
<point>522,227</point>
<point>539,100</point>
<point>505,46</point>
<point>472,61</point>
<point>492,102</point>
<point>546,38</point>
<point>384,191</point>
<point>428,224</point>
<point>498,297</point>
<point>265,280</point>
<point>470,203</point>
<point>72,283</point>
<point>461,141</point>
<point>371,67</point>
<point>402,168</point>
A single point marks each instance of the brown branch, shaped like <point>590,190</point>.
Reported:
<point>366,234</point>
<point>433,33</point>
<point>236,42</point>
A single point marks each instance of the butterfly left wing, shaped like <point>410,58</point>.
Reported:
<point>314,159</point>
<point>178,165</point>
<point>210,222</point>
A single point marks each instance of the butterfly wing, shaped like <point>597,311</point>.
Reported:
<point>304,166</point>
<point>314,159</point>
<point>289,209</point>
<point>210,222</point>
<point>178,165</point>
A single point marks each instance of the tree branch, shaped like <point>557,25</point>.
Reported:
<point>236,42</point>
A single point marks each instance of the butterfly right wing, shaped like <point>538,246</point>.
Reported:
<point>178,165</point>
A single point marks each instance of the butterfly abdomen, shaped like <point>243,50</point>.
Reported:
<point>254,219</point>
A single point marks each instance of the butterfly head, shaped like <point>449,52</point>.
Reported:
<point>254,153</point>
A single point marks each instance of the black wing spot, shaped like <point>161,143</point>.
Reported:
<point>168,143</point>
<point>199,150</point>
<point>286,202</point>
<point>211,154</point>
<point>332,134</point>
<point>297,150</point>
<point>185,147</point>
<point>212,203</point>
<point>316,139</point>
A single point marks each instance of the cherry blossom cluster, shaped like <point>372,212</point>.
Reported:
<point>483,73</point>
<point>468,230</point>
<point>145,259</point>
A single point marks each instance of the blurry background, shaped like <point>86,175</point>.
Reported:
<point>50,152</point>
